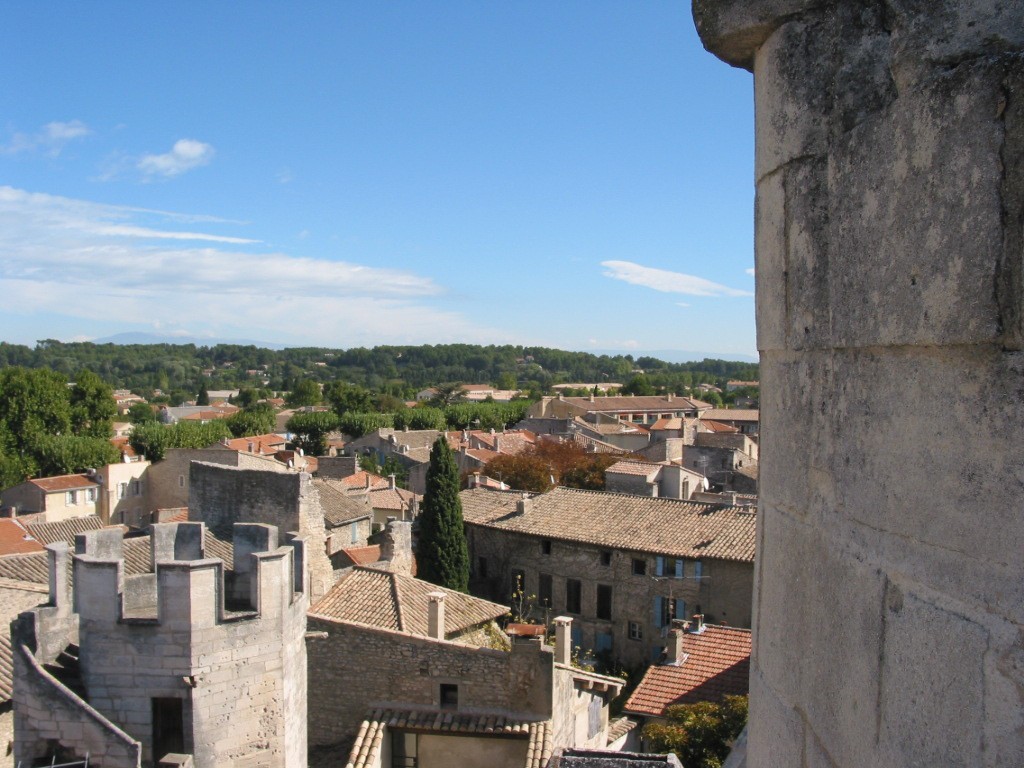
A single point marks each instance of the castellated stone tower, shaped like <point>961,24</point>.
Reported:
<point>193,659</point>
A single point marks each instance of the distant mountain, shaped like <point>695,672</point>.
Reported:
<point>155,338</point>
<point>676,355</point>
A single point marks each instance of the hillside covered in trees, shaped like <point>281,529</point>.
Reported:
<point>396,370</point>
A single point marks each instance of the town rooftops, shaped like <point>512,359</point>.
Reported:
<point>400,603</point>
<point>640,468</point>
<point>340,508</point>
<point>62,483</point>
<point>638,403</point>
<point>63,530</point>
<point>15,540</point>
<point>618,521</point>
<point>716,664</point>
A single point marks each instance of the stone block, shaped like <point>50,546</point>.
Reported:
<point>774,726</point>
<point>770,257</point>
<point>932,703</point>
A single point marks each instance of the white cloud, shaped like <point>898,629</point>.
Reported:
<point>185,155</point>
<point>682,304</point>
<point>750,271</point>
<point>51,138</point>
<point>665,281</point>
<point>100,263</point>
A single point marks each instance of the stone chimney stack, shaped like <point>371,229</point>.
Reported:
<point>523,505</point>
<point>396,547</point>
<point>497,444</point>
<point>563,640</point>
<point>391,482</point>
<point>674,647</point>
<point>435,618</point>
<point>697,626</point>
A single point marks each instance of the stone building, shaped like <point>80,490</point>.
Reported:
<point>648,478</point>
<point>890,321</point>
<point>622,566</point>
<point>196,658</point>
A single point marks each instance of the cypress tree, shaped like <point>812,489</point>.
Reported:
<point>442,556</point>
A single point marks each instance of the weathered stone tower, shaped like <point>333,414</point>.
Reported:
<point>192,659</point>
<point>889,607</point>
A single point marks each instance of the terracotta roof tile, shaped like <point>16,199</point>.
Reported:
<point>717,664</point>
<point>63,530</point>
<point>732,414</point>
<point>64,483</point>
<point>620,521</point>
<point>14,539</point>
<point>339,507</point>
<point>393,601</point>
<point>641,468</point>
<point>369,743</point>
<point>363,555</point>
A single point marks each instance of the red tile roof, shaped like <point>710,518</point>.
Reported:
<point>363,555</point>
<point>717,664</point>
<point>262,444</point>
<point>15,540</point>
<point>64,483</point>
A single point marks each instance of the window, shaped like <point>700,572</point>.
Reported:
<point>181,481</point>
<point>606,558</point>
<point>573,596</point>
<point>403,749</point>
<point>449,696</point>
<point>666,609</point>
<point>698,570</point>
<point>544,590</point>
<point>353,532</point>
<point>136,487</point>
<point>90,495</point>
<point>636,631</point>
<point>122,490</point>
<point>639,566</point>
<point>680,568</point>
<point>481,567</point>
<point>545,546</point>
<point>168,727</point>
<point>670,566</point>
<point>604,602</point>
<point>71,498</point>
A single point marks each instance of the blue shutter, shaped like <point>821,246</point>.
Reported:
<point>660,566</point>
<point>680,609</point>
<point>680,568</point>
<point>697,570</point>
<point>657,611</point>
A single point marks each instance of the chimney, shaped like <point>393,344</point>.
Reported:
<point>435,620</point>
<point>698,623</point>
<point>523,505</point>
<point>591,397</point>
<point>674,647</point>
<point>396,546</point>
<point>391,482</point>
<point>669,396</point>
<point>563,640</point>
<point>497,444</point>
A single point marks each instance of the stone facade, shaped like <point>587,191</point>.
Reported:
<point>641,604</point>
<point>189,659</point>
<point>167,481</point>
<point>890,289</point>
<point>222,496</point>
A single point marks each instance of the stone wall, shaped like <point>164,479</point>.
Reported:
<point>167,481</point>
<point>724,591</point>
<point>348,677</point>
<point>221,496</point>
<point>890,319</point>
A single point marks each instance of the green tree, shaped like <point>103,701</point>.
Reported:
<point>92,406</point>
<point>203,398</point>
<point>638,385</point>
<point>305,392</point>
<point>247,397</point>
<point>66,454</point>
<point>141,413</point>
<point>441,552</point>
<point>33,403</point>
<point>258,419</point>
<point>700,734</point>
<point>154,439</point>
<point>311,430</point>
<point>356,425</point>
<point>348,397</point>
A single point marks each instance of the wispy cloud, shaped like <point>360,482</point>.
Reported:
<point>185,155</point>
<point>50,139</point>
<point>750,271</point>
<point>100,262</point>
<point>666,281</point>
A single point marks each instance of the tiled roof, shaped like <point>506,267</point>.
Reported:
<point>64,483</point>
<point>397,602</point>
<point>716,426</point>
<point>641,468</point>
<point>391,498</point>
<point>15,597</point>
<point>63,530</point>
<point>359,479</point>
<point>676,422</point>
<point>369,743</point>
<point>263,444</point>
<point>619,727</point>
<point>732,414</point>
<point>363,555</point>
<point>339,507</point>
<point>637,404</point>
<point>15,540</point>
<point>619,521</point>
<point>717,664</point>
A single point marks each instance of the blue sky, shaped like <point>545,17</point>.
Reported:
<point>575,175</point>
